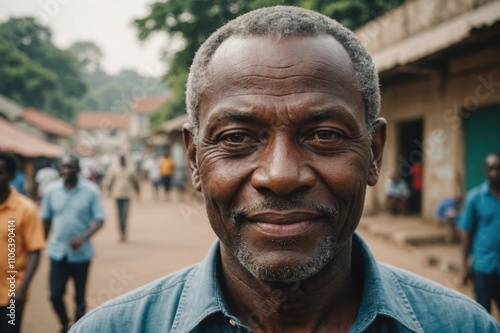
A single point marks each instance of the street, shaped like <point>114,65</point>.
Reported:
<point>163,237</point>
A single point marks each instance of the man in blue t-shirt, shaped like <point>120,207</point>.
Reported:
<point>72,213</point>
<point>480,222</point>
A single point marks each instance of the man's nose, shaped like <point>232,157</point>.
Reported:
<point>282,169</point>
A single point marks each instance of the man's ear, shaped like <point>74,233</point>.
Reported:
<point>377,149</point>
<point>188,136</point>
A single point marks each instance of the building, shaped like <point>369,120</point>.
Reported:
<point>47,127</point>
<point>25,141</point>
<point>102,132</point>
<point>439,69</point>
<point>142,108</point>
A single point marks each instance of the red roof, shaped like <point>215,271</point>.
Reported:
<point>15,140</point>
<point>147,104</point>
<point>48,123</point>
<point>103,120</point>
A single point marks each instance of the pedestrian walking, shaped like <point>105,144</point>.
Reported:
<point>166,171</point>
<point>72,213</point>
<point>283,139</point>
<point>480,224</point>
<point>397,193</point>
<point>19,182</point>
<point>121,181</point>
<point>43,177</point>
<point>21,241</point>
<point>152,167</point>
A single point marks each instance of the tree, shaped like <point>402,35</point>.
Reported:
<point>88,55</point>
<point>40,74</point>
<point>22,79</point>
<point>192,21</point>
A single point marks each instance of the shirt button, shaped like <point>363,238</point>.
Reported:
<point>232,322</point>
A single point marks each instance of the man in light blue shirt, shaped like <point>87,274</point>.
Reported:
<point>480,222</point>
<point>283,139</point>
<point>72,212</point>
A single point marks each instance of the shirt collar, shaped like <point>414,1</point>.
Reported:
<point>382,293</point>
<point>78,185</point>
<point>11,201</point>
<point>202,293</point>
<point>486,189</point>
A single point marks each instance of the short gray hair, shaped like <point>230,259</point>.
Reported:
<point>282,22</point>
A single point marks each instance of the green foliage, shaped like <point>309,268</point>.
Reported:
<point>88,55</point>
<point>22,79</point>
<point>37,73</point>
<point>192,21</point>
<point>115,92</point>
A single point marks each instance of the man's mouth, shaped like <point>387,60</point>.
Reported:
<point>283,223</point>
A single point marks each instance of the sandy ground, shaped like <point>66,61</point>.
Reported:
<point>164,236</point>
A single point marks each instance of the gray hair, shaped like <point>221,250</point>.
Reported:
<point>282,22</point>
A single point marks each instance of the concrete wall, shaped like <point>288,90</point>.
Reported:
<point>441,103</point>
<point>411,18</point>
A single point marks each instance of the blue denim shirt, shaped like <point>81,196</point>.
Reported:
<point>191,300</point>
<point>71,213</point>
<point>481,218</point>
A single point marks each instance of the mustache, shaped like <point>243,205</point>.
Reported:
<point>293,202</point>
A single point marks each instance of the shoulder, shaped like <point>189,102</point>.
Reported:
<point>476,192</point>
<point>150,308</point>
<point>28,205</point>
<point>89,186</point>
<point>433,303</point>
<point>54,186</point>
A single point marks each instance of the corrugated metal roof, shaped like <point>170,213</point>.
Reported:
<point>23,143</point>
<point>48,123</point>
<point>436,38</point>
<point>10,109</point>
<point>174,124</point>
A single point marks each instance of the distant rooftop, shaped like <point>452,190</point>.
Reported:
<point>18,141</point>
<point>103,120</point>
<point>10,109</point>
<point>147,104</point>
<point>48,123</point>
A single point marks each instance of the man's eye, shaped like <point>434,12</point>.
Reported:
<point>326,135</point>
<point>236,137</point>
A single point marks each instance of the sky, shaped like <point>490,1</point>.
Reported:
<point>107,23</point>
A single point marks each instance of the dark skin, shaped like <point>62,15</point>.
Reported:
<point>33,257</point>
<point>274,126</point>
<point>69,169</point>
<point>492,171</point>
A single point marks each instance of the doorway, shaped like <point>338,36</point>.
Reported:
<point>410,161</point>
<point>481,138</point>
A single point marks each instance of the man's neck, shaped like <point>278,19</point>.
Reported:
<point>326,302</point>
<point>495,189</point>
<point>4,195</point>
<point>70,183</point>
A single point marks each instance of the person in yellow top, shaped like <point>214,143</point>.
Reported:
<point>21,240</point>
<point>166,170</point>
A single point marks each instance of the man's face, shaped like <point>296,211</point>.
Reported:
<point>5,177</point>
<point>69,169</point>
<point>283,153</point>
<point>492,169</point>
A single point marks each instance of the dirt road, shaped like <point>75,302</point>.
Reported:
<point>163,237</point>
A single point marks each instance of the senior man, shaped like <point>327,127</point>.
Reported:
<point>282,141</point>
